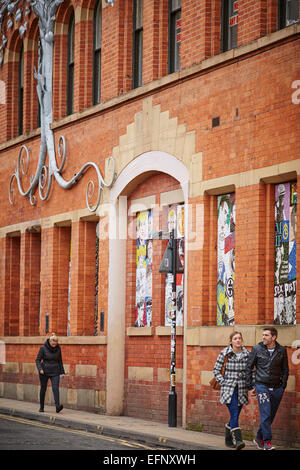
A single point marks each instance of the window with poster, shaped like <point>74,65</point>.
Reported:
<point>173,217</point>
<point>285,253</point>
<point>175,220</point>
<point>144,268</point>
<point>226,259</point>
<point>230,19</point>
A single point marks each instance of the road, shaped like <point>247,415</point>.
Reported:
<point>23,434</point>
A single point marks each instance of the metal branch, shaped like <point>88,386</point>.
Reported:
<point>45,10</point>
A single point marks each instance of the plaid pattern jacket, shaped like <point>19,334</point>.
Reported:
<point>234,375</point>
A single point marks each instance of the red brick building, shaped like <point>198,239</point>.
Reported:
<point>198,103</point>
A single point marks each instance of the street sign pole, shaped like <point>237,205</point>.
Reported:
<point>172,410</point>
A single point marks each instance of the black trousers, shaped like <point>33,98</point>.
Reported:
<point>55,388</point>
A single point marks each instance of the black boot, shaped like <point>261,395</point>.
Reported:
<point>59,408</point>
<point>42,401</point>
<point>228,437</point>
<point>237,439</point>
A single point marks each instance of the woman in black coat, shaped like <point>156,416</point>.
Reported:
<point>50,365</point>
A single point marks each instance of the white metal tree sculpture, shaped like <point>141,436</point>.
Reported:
<point>45,10</point>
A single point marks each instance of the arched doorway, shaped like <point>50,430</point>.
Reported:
<point>148,165</point>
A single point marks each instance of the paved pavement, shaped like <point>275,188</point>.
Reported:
<point>123,427</point>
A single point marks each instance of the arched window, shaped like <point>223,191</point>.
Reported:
<point>21,91</point>
<point>97,53</point>
<point>70,71</point>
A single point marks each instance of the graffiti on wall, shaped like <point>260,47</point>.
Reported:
<point>144,269</point>
<point>226,259</point>
<point>175,219</point>
<point>285,254</point>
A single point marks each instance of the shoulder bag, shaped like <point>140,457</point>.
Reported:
<point>213,382</point>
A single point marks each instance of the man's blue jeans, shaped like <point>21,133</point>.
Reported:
<point>234,410</point>
<point>268,402</point>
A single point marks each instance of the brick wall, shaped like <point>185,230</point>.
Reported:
<point>149,397</point>
<point>259,128</point>
<point>200,39</point>
<point>84,383</point>
<point>204,403</point>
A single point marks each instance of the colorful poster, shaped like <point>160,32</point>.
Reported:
<point>175,220</point>
<point>144,269</point>
<point>226,259</point>
<point>285,254</point>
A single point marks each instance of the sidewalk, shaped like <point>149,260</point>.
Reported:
<point>123,427</point>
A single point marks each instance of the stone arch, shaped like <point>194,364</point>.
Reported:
<point>154,130</point>
<point>153,142</point>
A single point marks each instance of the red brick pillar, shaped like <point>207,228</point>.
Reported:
<point>202,261</point>
<point>24,284</point>
<point>10,275</point>
<point>59,82</point>
<point>269,253</point>
<point>272,16</point>
<point>3,242</point>
<point>158,283</point>
<point>163,38</point>
<point>55,260</point>
<point>34,289</point>
<point>112,50</point>
<point>83,76</point>
<point>28,89</point>
<point>211,258</point>
<point>298,256</point>
<point>216,27</point>
<point>103,281</point>
<point>83,266</point>
<point>150,40</point>
<point>252,23</point>
<point>250,234</point>
<point>12,95</point>
<point>195,32</point>
<point>47,294</point>
<point>30,283</point>
<point>3,101</point>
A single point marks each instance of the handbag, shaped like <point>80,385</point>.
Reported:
<point>213,382</point>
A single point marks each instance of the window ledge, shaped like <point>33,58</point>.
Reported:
<point>61,339</point>
<point>150,331</point>
<point>140,331</point>
<point>166,331</point>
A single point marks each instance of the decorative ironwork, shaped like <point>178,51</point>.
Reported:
<point>45,10</point>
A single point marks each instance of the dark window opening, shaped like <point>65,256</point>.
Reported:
<point>288,12</point>
<point>230,18</point>
<point>21,92</point>
<point>174,35</point>
<point>137,62</point>
<point>70,73</point>
<point>97,54</point>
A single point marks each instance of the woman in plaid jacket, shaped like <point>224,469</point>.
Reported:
<point>234,392</point>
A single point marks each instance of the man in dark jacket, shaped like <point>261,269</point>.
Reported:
<point>270,361</point>
<point>49,364</point>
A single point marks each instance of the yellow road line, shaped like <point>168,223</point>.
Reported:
<point>73,431</point>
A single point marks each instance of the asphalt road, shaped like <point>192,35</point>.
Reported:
<point>22,434</point>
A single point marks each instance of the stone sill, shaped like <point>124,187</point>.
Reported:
<point>62,339</point>
<point>167,80</point>
<point>150,331</point>
<point>252,334</point>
